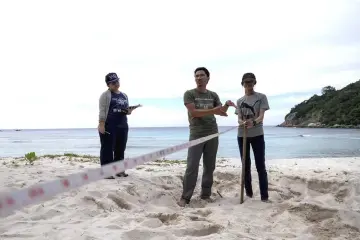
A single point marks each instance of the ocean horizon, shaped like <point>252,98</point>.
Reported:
<point>281,143</point>
<point>36,129</point>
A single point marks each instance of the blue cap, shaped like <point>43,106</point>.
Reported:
<point>111,77</point>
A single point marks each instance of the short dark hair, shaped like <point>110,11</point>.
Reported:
<point>249,75</point>
<point>203,69</point>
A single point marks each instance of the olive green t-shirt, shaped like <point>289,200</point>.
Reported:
<point>202,126</point>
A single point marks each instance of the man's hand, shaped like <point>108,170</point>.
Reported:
<point>248,123</point>
<point>230,103</point>
<point>242,124</point>
<point>220,111</point>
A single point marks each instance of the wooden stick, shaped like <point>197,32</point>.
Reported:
<point>243,166</point>
<point>219,193</point>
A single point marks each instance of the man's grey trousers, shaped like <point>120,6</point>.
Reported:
<point>209,150</point>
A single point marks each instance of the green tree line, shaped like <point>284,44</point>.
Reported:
<point>332,106</point>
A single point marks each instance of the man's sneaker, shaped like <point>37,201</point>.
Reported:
<point>207,198</point>
<point>266,200</point>
<point>111,177</point>
<point>182,202</point>
<point>249,195</point>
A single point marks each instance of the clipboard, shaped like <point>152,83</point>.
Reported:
<point>134,107</point>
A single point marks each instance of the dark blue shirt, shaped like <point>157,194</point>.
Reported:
<point>117,118</point>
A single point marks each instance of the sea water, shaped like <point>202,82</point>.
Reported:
<point>280,142</point>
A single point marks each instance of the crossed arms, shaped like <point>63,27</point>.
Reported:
<point>219,109</point>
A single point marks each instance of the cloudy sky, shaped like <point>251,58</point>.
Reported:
<point>54,55</point>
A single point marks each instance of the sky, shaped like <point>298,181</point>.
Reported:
<point>54,56</point>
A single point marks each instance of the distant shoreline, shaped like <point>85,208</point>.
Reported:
<point>279,125</point>
<point>328,127</point>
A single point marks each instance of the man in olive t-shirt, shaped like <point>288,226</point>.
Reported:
<point>202,105</point>
<point>206,125</point>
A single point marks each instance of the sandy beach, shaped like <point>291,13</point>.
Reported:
<point>311,199</point>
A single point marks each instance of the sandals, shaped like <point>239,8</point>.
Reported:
<point>122,174</point>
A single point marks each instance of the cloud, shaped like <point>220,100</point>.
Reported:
<point>54,55</point>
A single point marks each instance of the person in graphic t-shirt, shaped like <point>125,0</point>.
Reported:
<point>250,110</point>
<point>113,123</point>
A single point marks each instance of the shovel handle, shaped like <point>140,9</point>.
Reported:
<point>242,183</point>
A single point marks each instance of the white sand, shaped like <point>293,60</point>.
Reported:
<point>312,199</point>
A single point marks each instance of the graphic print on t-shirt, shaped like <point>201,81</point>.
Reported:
<point>248,108</point>
<point>116,116</point>
<point>118,102</point>
<point>204,103</point>
<point>248,111</point>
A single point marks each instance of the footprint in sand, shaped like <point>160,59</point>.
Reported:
<point>152,223</point>
<point>100,204</point>
<point>323,186</point>
<point>341,194</point>
<point>225,176</point>
<point>132,190</point>
<point>165,218</point>
<point>114,227</point>
<point>89,238</point>
<point>199,230</point>
<point>95,193</point>
<point>16,236</point>
<point>167,187</point>
<point>167,179</point>
<point>312,212</point>
<point>198,203</point>
<point>312,187</point>
<point>46,215</point>
<point>340,190</point>
<point>120,202</point>
<point>226,182</point>
<point>108,206</point>
<point>294,179</point>
<point>202,213</point>
<point>145,234</point>
<point>197,218</point>
<point>326,223</point>
<point>285,194</point>
<point>199,215</point>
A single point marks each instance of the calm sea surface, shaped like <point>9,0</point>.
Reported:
<point>280,142</point>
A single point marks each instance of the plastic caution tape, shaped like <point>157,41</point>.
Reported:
<point>10,201</point>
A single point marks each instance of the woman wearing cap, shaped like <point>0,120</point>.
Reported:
<point>113,125</point>
<point>251,109</point>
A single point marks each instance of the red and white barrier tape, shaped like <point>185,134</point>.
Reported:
<point>41,192</point>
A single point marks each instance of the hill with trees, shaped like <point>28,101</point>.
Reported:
<point>333,108</point>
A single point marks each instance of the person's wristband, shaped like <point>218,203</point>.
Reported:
<point>254,123</point>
